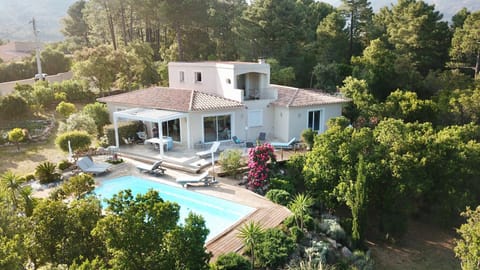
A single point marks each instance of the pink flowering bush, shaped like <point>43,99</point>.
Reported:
<point>258,174</point>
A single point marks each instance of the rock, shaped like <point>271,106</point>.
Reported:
<point>332,242</point>
<point>339,245</point>
<point>346,252</point>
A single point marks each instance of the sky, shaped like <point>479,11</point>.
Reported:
<point>447,7</point>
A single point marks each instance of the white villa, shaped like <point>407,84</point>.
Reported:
<point>214,101</point>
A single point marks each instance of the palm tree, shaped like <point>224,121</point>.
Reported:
<point>249,233</point>
<point>11,184</point>
<point>300,206</point>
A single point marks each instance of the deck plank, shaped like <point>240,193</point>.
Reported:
<point>269,217</point>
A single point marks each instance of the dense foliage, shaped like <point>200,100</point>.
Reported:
<point>468,247</point>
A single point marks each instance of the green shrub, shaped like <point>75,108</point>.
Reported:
<point>64,164</point>
<point>319,252</point>
<point>296,233</point>
<point>231,161</point>
<point>79,185</point>
<point>29,177</point>
<point>125,130</point>
<point>283,184</point>
<point>16,135</point>
<point>308,136</point>
<point>332,228</point>
<point>43,95</point>
<point>65,109</point>
<point>279,196</point>
<point>99,113</point>
<point>232,261</point>
<point>75,90</point>
<point>362,260</point>
<point>60,96</point>
<point>78,121</point>
<point>295,171</point>
<point>13,107</point>
<point>45,172</point>
<point>273,248</point>
<point>79,140</point>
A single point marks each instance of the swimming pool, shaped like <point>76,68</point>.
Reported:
<point>219,214</point>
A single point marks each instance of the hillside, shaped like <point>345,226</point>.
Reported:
<point>16,15</point>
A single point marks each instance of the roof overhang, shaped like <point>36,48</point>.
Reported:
<point>150,115</point>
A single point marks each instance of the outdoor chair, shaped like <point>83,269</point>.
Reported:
<point>87,165</point>
<point>237,141</point>
<point>142,136</point>
<point>213,149</point>
<point>203,178</point>
<point>156,168</point>
<point>261,137</point>
<point>287,145</point>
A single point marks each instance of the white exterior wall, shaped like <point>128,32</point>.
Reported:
<point>298,118</point>
<point>281,123</point>
<point>267,125</point>
<point>218,78</point>
<point>237,118</point>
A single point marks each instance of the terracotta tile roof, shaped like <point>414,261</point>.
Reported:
<point>202,101</point>
<point>297,97</point>
<point>164,98</point>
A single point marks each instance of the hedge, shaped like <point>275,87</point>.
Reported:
<point>125,130</point>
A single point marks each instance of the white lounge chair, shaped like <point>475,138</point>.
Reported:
<point>155,168</point>
<point>204,178</point>
<point>87,165</point>
<point>213,149</point>
<point>281,145</point>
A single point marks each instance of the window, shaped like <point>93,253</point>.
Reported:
<point>171,128</point>
<point>198,77</point>
<point>255,118</point>
<point>217,128</point>
<point>315,120</point>
<point>182,76</point>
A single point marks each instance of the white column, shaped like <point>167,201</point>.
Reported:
<point>115,127</point>
<point>189,141</point>
<point>160,136</point>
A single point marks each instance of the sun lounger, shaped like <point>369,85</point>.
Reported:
<point>155,168</point>
<point>87,165</point>
<point>203,178</point>
<point>280,145</point>
<point>213,149</point>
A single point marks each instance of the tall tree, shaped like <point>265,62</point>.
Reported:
<point>96,64</point>
<point>416,30</point>
<point>466,44</point>
<point>359,16</point>
<point>75,26</point>
<point>331,45</point>
<point>359,204</point>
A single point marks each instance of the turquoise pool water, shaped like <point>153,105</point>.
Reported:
<point>219,214</point>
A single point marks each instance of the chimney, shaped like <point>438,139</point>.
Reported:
<point>261,60</point>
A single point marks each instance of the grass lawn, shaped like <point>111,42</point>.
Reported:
<point>30,155</point>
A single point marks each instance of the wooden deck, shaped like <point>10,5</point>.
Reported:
<point>228,241</point>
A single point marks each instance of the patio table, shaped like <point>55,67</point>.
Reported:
<point>167,141</point>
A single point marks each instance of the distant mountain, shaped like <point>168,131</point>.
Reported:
<point>447,7</point>
<point>16,15</point>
